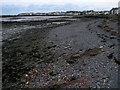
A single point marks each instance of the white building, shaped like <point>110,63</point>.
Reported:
<point>115,11</point>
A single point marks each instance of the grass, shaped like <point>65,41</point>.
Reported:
<point>103,16</point>
<point>110,16</point>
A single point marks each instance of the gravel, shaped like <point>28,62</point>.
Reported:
<point>72,56</point>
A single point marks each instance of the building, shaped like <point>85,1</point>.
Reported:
<point>73,13</point>
<point>30,14</point>
<point>62,13</point>
<point>106,12</point>
<point>56,13</point>
<point>25,14</point>
<point>90,12</point>
<point>97,13</point>
<point>115,11</point>
<point>53,13</point>
<point>40,14</point>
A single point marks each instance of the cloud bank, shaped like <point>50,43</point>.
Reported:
<point>22,6</point>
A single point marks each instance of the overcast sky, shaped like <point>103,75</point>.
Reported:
<point>21,6</point>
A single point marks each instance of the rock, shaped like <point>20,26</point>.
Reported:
<point>50,42</point>
<point>114,33</point>
<point>68,64</point>
<point>103,41</point>
<point>70,61</point>
<point>53,73</point>
<point>27,45</point>
<point>104,77</point>
<point>59,80</point>
<point>27,82</point>
<point>49,47</point>
<point>76,55</point>
<point>117,60</point>
<point>73,57</point>
<point>112,45</point>
<point>92,52</point>
<point>112,37</point>
<point>56,35</point>
<point>101,47</point>
<point>73,78</point>
<point>100,26</point>
<point>54,86</point>
<point>97,86</point>
<point>84,64</point>
<point>110,56</point>
<point>66,47</point>
<point>105,80</point>
<point>26,75</point>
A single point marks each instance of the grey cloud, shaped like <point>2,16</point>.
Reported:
<point>16,9</point>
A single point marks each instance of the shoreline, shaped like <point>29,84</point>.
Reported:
<point>62,54</point>
<point>19,27</point>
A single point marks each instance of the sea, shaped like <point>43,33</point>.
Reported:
<point>29,18</point>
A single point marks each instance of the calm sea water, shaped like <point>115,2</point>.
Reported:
<point>28,18</point>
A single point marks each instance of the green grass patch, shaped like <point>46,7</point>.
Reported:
<point>109,16</point>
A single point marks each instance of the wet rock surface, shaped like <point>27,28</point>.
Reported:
<point>81,54</point>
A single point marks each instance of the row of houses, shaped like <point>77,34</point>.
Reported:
<point>88,12</point>
<point>114,11</point>
<point>53,13</point>
<point>30,14</point>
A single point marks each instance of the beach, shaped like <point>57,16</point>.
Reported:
<point>65,52</point>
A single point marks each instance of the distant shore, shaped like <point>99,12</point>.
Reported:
<point>30,15</point>
<point>89,16</point>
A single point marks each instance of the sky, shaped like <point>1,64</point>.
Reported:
<point>13,7</point>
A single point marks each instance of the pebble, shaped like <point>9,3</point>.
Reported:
<point>26,75</point>
<point>97,86</point>
<point>68,64</point>
<point>105,80</point>
<point>65,47</point>
<point>27,82</point>
<point>104,77</point>
<point>101,47</point>
<point>59,79</point>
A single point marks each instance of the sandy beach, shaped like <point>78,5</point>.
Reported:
<point>60,53</point>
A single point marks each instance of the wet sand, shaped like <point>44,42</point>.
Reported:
<point>81,53</point>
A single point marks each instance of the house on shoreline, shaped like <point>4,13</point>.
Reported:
<point>115,11</point>
<point>31,14</point>
<point>73,13</point>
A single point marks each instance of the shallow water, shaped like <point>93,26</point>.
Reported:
<point>29,18</point>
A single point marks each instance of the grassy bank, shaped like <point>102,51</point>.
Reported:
<point>103,16</point>
<point>110,16</point>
